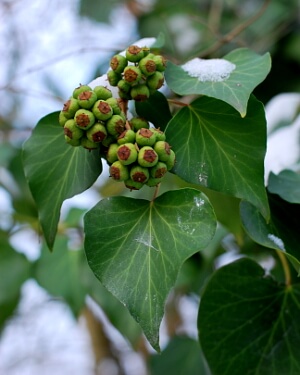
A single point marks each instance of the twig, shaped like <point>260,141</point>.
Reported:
<point>286,267</point>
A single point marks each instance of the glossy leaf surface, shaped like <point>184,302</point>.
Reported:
<point>136,247</point>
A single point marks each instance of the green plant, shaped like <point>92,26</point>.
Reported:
<point>137,248</point>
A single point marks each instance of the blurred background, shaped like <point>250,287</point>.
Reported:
<point>54,315</point>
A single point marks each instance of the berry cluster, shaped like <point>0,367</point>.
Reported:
<point>136,153</point>
<point>138,74</point>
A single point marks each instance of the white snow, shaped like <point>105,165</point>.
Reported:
<point>212,70</point>
<point>277,241</point>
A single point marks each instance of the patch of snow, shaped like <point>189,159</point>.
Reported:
<point>277,241</point>
<point>211,70</point>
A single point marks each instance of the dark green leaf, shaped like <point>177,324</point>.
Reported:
<point>56,171</point>
<point>286,184</point>
<point>155,109</point>
<point>248,323</point>
<point>182,356</point>
<point>136,247</point>
<point>60,273</point>
<point>14,271</point>
<point>251,69</point>
<point>281,233</point>
<point>218,149</point>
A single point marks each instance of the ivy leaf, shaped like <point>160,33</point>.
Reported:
<point>56,171</point>
<point>280,233</point>
<point>220,150</point>
<point>250,70</point>
<point>156,110</point>
<point>136,247</point>
<point>248,323</point>
<point>286,184</point>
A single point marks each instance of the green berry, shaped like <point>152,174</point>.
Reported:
<point>171,161</point>
<point>128,136</point>
<point>118,63</point>
<point>70,107</point>
<point>147,66</point>
<point>137,123</point>
<point>127,153</point>
<point>139,174</point>
<point>102,110</point>
<point>113,102</point>
<point>118,171</point>
<point>97,133</point>
<point>72,131</point>
<point>108,140</point>
<point>134,53</point>
<point>140,93</point>
<point>80,89</point>
<point>113,77</point>
<point>84,119</point>
<point>86,99</point>
<point>132,74</point>
<point>147,157</point>
<point>145,137</point>
<point>159,170</point>
<point>73,142</point>
<point>163,150</point>
<point>102,92</point>
<point>133,185</point>
<point>62,119</point>
<point>124,86</point>
<point>155,81</point>
<point>160,135</point>
<point>153,181</point>
<point>88,144</point>
<point>111,155</point>
<point>124,95</point>
<point>161,63</point>
<point>115,125</point>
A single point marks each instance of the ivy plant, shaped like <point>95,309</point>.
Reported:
<point>193,136</point>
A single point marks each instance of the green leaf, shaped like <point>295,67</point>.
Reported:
<point>14,270</point>
<point>156,110</point>
<point>182,356</point>
<point>136,247</point>
<point>218,149</point>
<point>98,11</point>
<point>56,171</point>
<point>60,273</point>
<point>251,69</point>
<point>286,184</point>
<point>248,323</point>
<point>280,233</point>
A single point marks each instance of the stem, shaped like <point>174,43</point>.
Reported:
<point>236,31</point>
<point>155,192</point>
<point>285,266</point>
<point>177,102</point>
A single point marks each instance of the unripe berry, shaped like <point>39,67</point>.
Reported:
<point>124,86</point>
<point>113,77</point>
<point>147,157</point>
<point>113,102</point>
<point>111,155</point>
<point>153,181</point>
<point>147,66</point>
<point>72,131</point>
<point>97,133</point>
<point>163,150</point>
<point>140,93</point>
<point>137,123</point>
<point>127,153</point>
<point>86,99</point>
<point>128,136</point>
<point>160,135</point>
<point>62,119</point>
<point>159,170</point>
<point>145,137</point>
<point>108,140</point>
<point>132,74</point>
<point>134,53</point>
<point>133,185</point>
<point>73,142</point>
<point>119,171</point>
<point>161,63</point>
<point>171,161</point>
<point>89,145</point>
<point>70,107</point>
<point>102,110</point>
<point>115,125</point>
<point>118,63</point>
<point>80,89</point>
<point>139,174</point>
<point>84,119</point>
<point>155,81</point>
<point>102,92</point>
